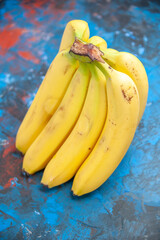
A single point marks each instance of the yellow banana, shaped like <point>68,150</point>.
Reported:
<point>74,28</point>
<point>131,65</point>
<point>118,132</point>
<point>81,140</point>
<point>47,99</point>
<point>60,125</point>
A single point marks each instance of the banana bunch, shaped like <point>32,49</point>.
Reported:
<point>85,113</point>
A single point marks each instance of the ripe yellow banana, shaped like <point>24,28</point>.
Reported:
<point>131,65</point>
<point>74,28</point>
<point>81,140</point>
<point>116,137</point>
<point>47,99</point>
<point>60,125</point>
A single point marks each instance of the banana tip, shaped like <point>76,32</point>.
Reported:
<point>25,174</point>
<point>44,185</point>
<point>73,194</point>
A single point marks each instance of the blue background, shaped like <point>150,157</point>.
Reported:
<point>127,206</point>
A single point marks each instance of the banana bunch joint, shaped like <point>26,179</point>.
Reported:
<point>85,113</point>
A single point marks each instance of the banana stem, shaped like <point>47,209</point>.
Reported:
<point>86,52</point>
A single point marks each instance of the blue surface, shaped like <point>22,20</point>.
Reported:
<point>127,206</point>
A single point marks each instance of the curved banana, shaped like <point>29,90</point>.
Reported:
<point>60,125</point>
<point>47,99</point>
<point>74,28</point>
<point>81,140</point>
<point>131,65</point>
<point>117,134</point>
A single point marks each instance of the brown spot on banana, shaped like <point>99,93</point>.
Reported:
<point>128,93</point>
<point>79,133</point>
<point>66,69</point>
<point>126,96</point>
<point>112,122</point>
<point>61,108</point>
<point>110,68</point>
<point>102,140</point>
<point>106,149</point>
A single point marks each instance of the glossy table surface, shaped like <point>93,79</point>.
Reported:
<point>127,206</point>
